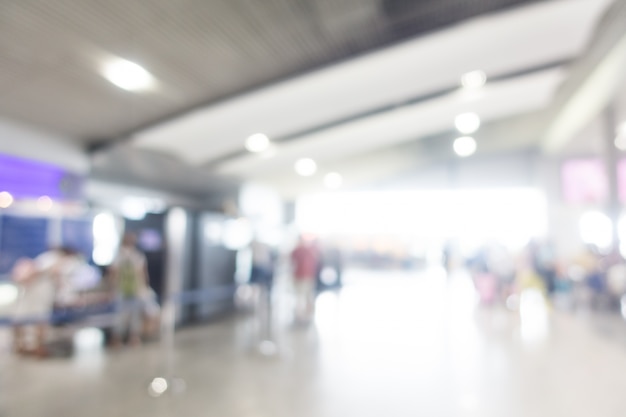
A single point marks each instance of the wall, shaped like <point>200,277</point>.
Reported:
<point>26,142</point>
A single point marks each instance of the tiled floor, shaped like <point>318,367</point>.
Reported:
<point>402,344</point>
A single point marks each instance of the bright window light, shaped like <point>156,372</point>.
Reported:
<point>6,199</point>
<point>333,180</point>
<point>474,79</point>
<point>106,238</point>
<point>467,123</point>
<point>464,146</point>
<point>128,76</point>
<point>305,167</point>
<point>511,216</point>
<point>257,143</point>
<point>596,229</point>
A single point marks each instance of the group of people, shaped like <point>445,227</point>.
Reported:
<point>48,285</point>
<point>309,262</point>
<point>591,277</point>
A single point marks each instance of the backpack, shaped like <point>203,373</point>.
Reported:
<point>128,280</point>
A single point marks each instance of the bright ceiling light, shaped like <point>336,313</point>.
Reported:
<point>257,143</point>
<point>305,167</point>
<point>333,180</point>
<point>128,75</point>
<point>44,203</point>
<point>467,123</point>
<point>6,199</point>
<point>474,79</point>
<point>464,146</point>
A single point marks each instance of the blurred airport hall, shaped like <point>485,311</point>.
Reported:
<point>312,208</point>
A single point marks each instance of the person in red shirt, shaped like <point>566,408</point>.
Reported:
<point>305,259</point>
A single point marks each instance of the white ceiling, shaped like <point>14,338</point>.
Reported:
<point>499,44</point>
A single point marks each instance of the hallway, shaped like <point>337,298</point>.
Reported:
<point>390,343</point>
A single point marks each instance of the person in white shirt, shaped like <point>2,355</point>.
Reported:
<point>39,281</point>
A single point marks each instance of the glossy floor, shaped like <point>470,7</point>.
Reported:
<point>389,344</point>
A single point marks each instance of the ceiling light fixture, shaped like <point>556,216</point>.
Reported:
<point>467,123</point>
<point>305,167</point>
<point>474,79</point>
<point>333,180</point>
<point>464,146</point>
<point>257,143</point>
<point>128,75</point>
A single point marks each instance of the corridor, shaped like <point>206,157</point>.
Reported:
<point>390,343</point>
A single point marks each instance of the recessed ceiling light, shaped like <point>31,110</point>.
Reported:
<point>467,123</point>
<point>464,146</point>
<point>305,167</point>
<point>474,79</point>
<point>128,75</point>
<point>257,143</point>
<point>333,180</point>
<point>6,199</point>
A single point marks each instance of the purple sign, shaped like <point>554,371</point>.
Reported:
<point>25,178</point>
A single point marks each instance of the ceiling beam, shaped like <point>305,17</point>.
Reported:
<point>592,84</point>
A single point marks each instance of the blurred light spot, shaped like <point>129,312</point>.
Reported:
<point>133,208</point>
<point>44,203</point>
<point>128,75</point>
<point>257,143</point>
<point>596,229</point>
<point>464,146</point>
<point>157,387</point>
<point>88,338</point>
<point>333,180</point>
<point>329,276</point>
<point>623,306</point>
<point>467,123</point>
<point>474,79</point>
<point>305,167</point>
<point>6,199</point>
<point>8,294</point>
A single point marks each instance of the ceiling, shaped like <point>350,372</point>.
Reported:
<point>200,51</point>
<point>340,81</point>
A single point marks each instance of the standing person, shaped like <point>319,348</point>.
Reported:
<point>130,279</point>
<point>305,259</point>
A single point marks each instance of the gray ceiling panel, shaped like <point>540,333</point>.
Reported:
<point>201,51</point>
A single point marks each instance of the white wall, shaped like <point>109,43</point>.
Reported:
<point>26,142</point>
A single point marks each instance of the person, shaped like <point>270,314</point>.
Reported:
<point>262,264</point>
<point>305,258</point>
<point>39,281</point>
<point>129,275</point>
